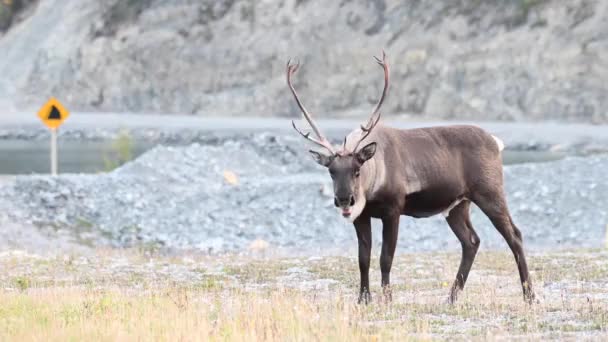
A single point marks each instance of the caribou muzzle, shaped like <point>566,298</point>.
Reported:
<point>347,201</point>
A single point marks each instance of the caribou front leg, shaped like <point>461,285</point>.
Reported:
<point>390,231</point>
<point>363,227</point>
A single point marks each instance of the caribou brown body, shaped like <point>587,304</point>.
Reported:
<point>419,173</point>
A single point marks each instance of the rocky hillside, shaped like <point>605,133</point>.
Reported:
<point>465,59</point>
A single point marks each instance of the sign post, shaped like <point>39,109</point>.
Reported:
<point>53,114</point>
<point>54,152</point>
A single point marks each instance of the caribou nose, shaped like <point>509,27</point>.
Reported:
<point>344,201</point>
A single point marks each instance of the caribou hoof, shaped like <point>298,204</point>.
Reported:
<point>453,294</point>
<point>364,298</point>
<point>388,294</point>
<point>531,299</point>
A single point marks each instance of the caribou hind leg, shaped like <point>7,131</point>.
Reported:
<point>390,231</point>
<point>494,206</point>
<point>459,221</point>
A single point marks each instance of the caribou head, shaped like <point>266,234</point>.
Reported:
<point>344,164</point>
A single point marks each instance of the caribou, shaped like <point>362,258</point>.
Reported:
<point>382,172</point>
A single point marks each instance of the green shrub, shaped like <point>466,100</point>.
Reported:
<point>119,152</point>
<point>22,283</point>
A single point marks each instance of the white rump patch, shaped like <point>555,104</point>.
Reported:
<point>501,145</point>
<point>446,213</point>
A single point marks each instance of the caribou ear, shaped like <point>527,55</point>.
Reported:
<point>366,153</point>
<point>321,159</point>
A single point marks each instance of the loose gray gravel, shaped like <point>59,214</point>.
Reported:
<point>180,198</point>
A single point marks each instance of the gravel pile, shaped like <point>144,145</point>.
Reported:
<point>223,197</point>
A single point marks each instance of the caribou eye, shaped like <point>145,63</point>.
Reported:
<point>332,174</point>
<point>357,173</point>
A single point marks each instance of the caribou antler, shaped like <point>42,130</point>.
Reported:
<point>375,117</point>
<point>322,141</point>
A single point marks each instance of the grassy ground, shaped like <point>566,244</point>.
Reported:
<point>129,296</point>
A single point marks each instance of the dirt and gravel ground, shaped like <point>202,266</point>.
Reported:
<point>128,295</point>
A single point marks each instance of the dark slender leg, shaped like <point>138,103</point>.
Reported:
<point>495,207</point>
<point>460,223</point>
<point>390,232</point>
<point>363,227</point>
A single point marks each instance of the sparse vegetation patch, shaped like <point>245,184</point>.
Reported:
<point>133,296</point>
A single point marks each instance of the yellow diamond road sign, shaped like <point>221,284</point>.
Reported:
<point>53,114</point>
